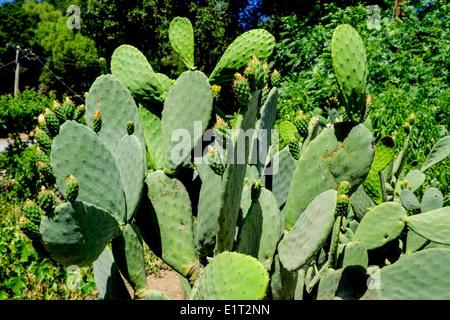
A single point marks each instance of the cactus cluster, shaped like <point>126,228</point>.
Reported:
<point>153,160</point>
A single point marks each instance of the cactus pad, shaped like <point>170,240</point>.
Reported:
<point>309,233</point>
<point>418,276</point>
<point>181,37</point>
<point>219,280</point>
<point>76,233</point>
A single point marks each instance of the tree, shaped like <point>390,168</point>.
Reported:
<point>70,62</point>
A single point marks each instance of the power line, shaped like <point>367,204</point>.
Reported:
<point>59,79</point>
<point>5,65</point>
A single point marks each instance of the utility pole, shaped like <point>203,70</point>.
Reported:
<point>16,78</point>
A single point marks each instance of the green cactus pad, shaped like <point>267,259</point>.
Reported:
<point>187,112</point>
<point>282,282</point>
<point>108,279</point>
<point>261,228</point>
<point>355,253</point>
<point>131,67</point>
<point>181,37</point>
<point>440,151</point>
<point>76,233</point>
<point>329,159</point>
<point>117,107</point>
<point>263,130</point>
<point>151,125</point>
<point>380,225</point>
<point>421,275</point>
<point>433,225</point>
<point>78,151</point>
<point>256,42</point>
<point>208,215</point>
<point>432,199</point>
<point>169,232</point>
<point>129,162</point>
<point>309,233</point>
<point>219,280</point>
<point>233,177</point>
<point>384,153</point>
<point>350,67</point>
<point>280,181</point>
<point>128,252</point>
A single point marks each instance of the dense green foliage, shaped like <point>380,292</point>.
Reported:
<point>407,71</point>
<point>19,114</point>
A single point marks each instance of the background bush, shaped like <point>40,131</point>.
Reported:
<point>19,114</point>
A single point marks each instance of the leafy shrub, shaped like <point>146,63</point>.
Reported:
<point>24,274</point>
<point>19,114</point>
<point>19,176</point>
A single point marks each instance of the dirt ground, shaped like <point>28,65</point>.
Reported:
<point>167,281</point>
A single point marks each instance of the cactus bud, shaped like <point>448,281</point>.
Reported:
<point>103,65</point>
<point>72,189</point>
<point>214,161</point>
<point>255,190</point>
<point>58,109</point>
<point>241,89</point>
<point>52,122</point>
<point>275,78</point>
<point>97,123</point>
<point>69,109</point>
<point>294,148</point>
<point>342,205</point>
<point>29,229</point>
<point>79,113</point>
<point>344,188</point>
<point>45,199</point>
<point>46,171</point>
<point>43,139</point>
<point>130,127</point>
<point>301,123</point>
<point>32,212</point>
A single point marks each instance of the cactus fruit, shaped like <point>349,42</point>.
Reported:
<point>79,113</point>
<point>72,189</point>
<point>43,139</point>
<point>45,171</point>
<point>241,89</point>
<point>32,212</point>
<point>294,148</point>
<point>301,123</point>
<point>45,199</point>
<point>97,122</point>
<point>275,78</point>
<point>58,109</point>
<point>103,65</point>
<point>69,109</point>
<point>29,229</point>
<point>255,190</point>
<point>342,205</point>
<point>52,122</point>
<point>130,127</point>
<point>214,161</point>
